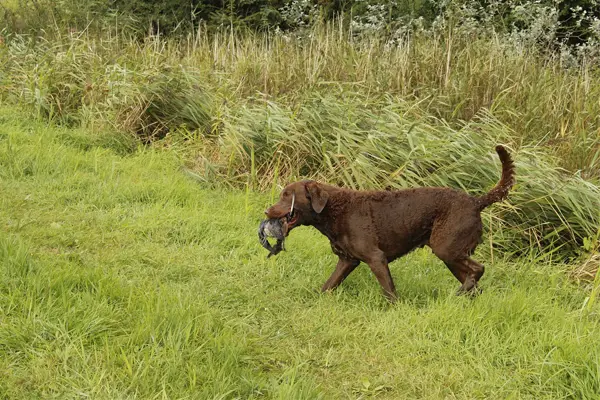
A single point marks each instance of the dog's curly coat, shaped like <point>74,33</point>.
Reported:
<point>377,227</point>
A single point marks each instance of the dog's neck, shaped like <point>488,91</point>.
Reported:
<point>323,226</point>
<point>327,221</point>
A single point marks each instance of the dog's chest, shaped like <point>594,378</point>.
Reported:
<point>339,250</point>
<point>340,246</point>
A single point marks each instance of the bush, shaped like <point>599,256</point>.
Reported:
<point>138,17</point>
<point>41,16</point>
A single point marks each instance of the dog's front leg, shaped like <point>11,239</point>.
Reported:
<point>380,269</point>
<point>343,268</point>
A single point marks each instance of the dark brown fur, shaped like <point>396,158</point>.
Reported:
<point>377,227</point>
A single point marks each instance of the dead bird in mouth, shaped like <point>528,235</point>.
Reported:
<point>276,228</point>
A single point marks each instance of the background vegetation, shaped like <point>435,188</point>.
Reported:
<point>569,21</point>
<point>258,110</point>
<point>140,142</point>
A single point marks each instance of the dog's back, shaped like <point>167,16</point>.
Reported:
<point>397,222</point>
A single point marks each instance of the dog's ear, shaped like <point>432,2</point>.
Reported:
<point>317,196</point>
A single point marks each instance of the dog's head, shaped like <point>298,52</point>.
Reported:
<point>300,202</point>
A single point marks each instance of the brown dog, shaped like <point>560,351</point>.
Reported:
<point>377,227</point>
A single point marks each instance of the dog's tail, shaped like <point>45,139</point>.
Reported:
<point>500,191</point>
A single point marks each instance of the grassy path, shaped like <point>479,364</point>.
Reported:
<point>120,277</point>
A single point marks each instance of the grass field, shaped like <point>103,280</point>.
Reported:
<point>122,277</point>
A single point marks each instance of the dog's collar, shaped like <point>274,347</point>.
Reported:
<point>290,214</point>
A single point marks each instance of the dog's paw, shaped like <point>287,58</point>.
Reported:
<point>471,293</point>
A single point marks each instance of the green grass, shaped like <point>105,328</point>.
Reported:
<point>122,277</point>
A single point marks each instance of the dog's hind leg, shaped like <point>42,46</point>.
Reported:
<point>475,274</point>
<point>453,240</point>
<point>343,268</point>
<point>467,271</point>
<point>459,271</point>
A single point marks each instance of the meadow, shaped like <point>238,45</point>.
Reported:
<point>123,277</point>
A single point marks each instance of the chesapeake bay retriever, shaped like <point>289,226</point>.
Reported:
<point>377,227</point>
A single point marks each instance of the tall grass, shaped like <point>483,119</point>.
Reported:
<point>256,110</point>
<point>85,77</point>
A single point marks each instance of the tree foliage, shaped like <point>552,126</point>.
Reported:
<point>554,24</point>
